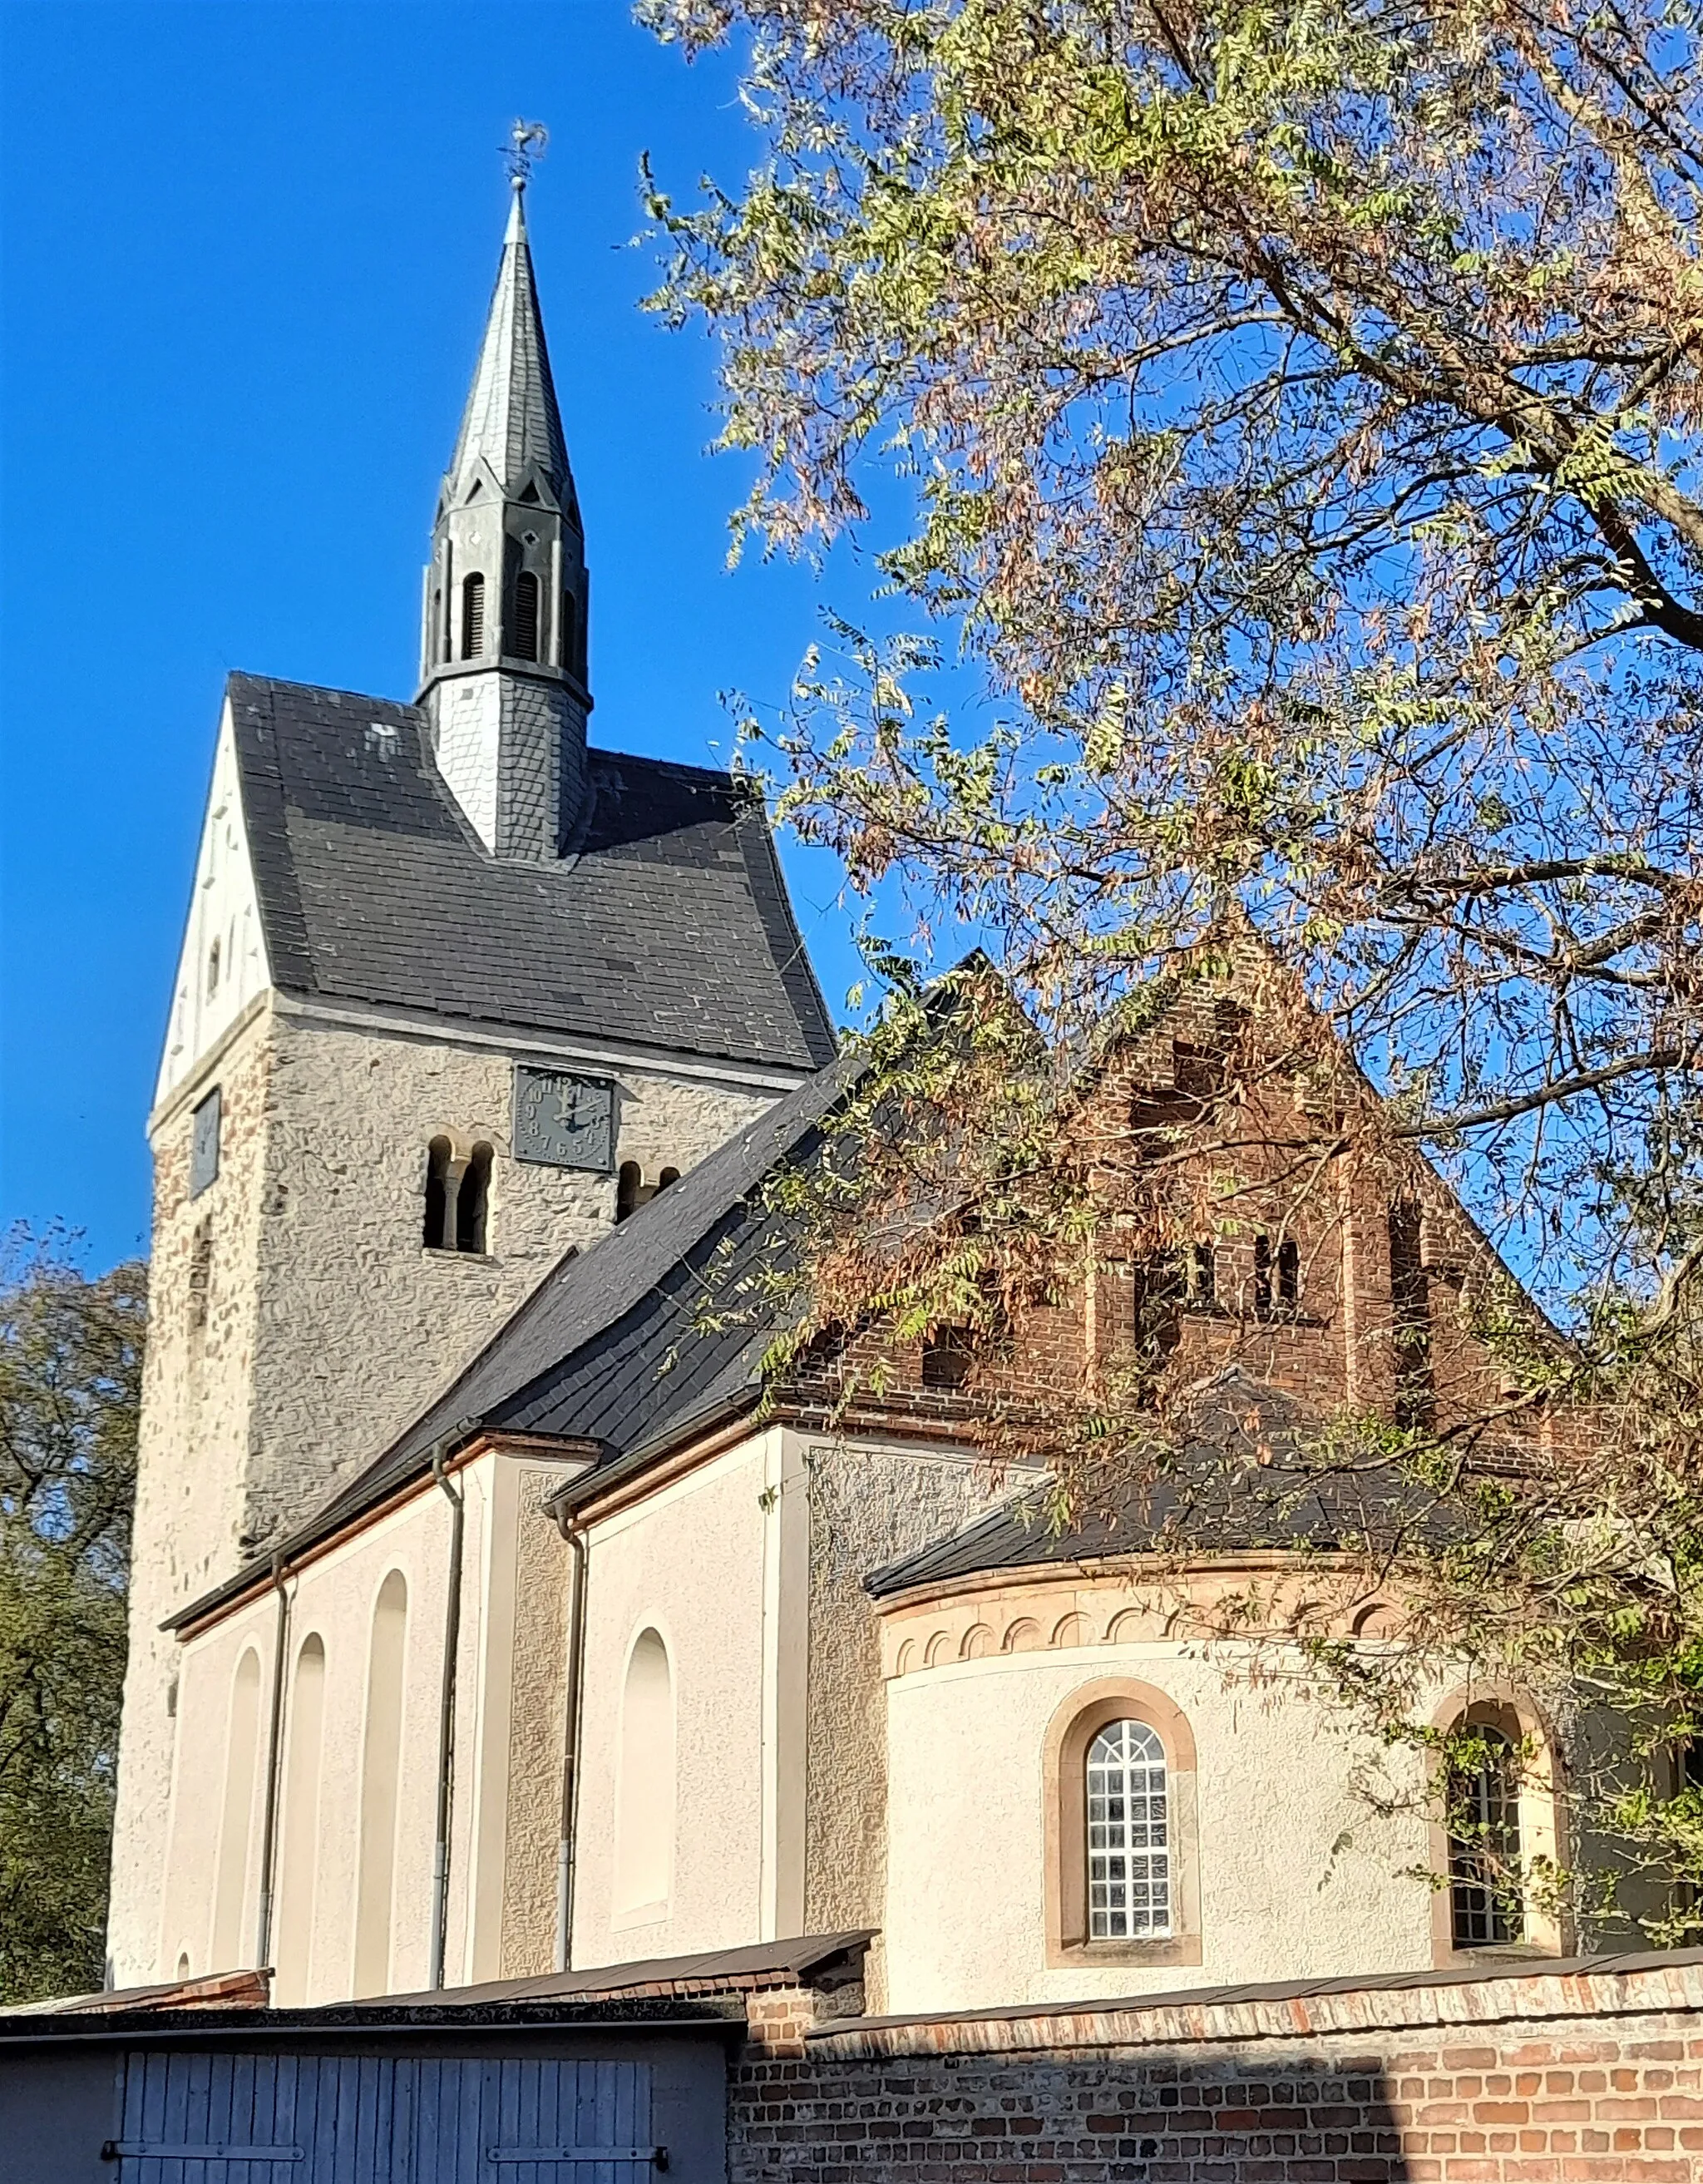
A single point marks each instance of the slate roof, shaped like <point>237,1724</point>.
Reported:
<point>666,925</point>
<point>511,420</point>
<point>610,1348</point>
<point>1233,1476</point>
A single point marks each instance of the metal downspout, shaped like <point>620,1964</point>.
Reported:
<point>269,1840</point>
<point>445,1719</point>
<point>567,1842</point>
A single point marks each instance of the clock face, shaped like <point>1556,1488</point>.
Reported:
<point>562,1120</point>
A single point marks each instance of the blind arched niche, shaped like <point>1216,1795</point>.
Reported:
<point>301,1861</point>
<point>380,1770</point>
<point>645,1788</point>
<point>242,1746</point>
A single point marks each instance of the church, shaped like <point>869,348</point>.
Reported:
<point>492,1616</point>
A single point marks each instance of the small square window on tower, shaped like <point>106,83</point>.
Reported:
<point>203,1144</point>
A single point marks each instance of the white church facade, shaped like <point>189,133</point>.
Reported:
<point>490,1614</point>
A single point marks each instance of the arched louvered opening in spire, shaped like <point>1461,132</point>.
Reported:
<point>472,616</point>
<point>523,643</point>
<point>568,653</point>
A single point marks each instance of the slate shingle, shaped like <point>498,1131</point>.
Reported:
<point>667,924</point>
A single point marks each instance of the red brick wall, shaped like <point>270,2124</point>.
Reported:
<point>1593,2076</point>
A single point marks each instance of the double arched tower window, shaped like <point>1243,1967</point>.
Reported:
<point>457,1197</point>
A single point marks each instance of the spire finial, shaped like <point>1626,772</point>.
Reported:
<point>526,142</point>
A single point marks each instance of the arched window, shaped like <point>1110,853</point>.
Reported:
<point>472,616</point>
<point>1129,1848</point>
<point>1410,1307</point>
<point>242,1746</point>
<point>1122,1879</point>
<point>437,1161</point>
<point>183,1965</point>
<point>645,1787</point>
<point>1485,1898</point>
<point>669,1175</point>
<point>1289,1274</point>
<point>946,1357</point>
<point>630,1193</point>
<point>301,1845</point>
<point>472,1201</point>
<point>213,970</point>
<point>524,642</point>
<point>380,1775</point>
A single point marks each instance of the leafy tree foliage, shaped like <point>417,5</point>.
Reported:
<point>71,1368</point>
<point>1296,410</point>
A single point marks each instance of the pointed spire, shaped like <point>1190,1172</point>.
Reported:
<point>511,419</point>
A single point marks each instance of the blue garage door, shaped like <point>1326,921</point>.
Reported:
<point>219,2119</point>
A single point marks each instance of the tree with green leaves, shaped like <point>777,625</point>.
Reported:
<point>70,1373</point>
<point>1295,412</point>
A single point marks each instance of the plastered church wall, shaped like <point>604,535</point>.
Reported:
<point>716,1564</point>
<point>868,1504</point>
<point>501,1900</point>
<point>1294,1869</point>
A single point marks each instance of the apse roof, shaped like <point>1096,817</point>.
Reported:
<point>1231,1470</point>
<point>666,924</point>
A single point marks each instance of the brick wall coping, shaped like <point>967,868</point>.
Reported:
<point>1650,1982</point>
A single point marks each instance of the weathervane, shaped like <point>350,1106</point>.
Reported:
<point>526,142</point>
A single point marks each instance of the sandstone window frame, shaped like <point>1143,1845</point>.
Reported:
<point>1542,1823</point>
<point>1076,1723</point>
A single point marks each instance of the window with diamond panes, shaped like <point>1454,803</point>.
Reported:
<point>1129,1845</point>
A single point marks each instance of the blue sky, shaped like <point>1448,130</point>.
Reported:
<point>248,249</point>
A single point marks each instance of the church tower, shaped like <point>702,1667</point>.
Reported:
<point>456,993</point>
<point>503,656</point>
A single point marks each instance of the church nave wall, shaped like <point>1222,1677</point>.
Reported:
<point>713,1565</point>
<point>357,1774</point>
